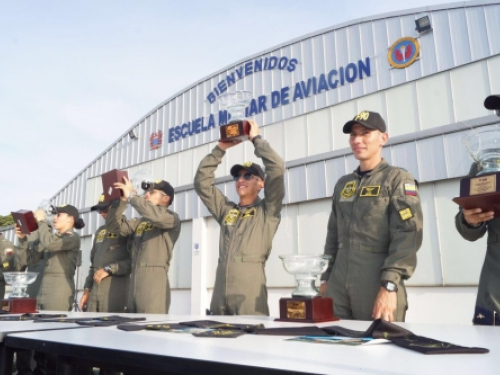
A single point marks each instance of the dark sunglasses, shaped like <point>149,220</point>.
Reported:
<point>246,176</point>
<point>101,210</point>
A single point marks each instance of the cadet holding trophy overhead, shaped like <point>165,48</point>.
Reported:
<point>106,285</point>
<point>153,238</point>
<point>247,227</point>
<point>374,230</point>
<point>61,251</point>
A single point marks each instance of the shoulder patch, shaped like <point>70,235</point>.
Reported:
<point>410,189</point>
<point>406,214</point>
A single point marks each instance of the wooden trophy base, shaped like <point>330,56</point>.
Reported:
<point>306,310</point>
<point>235,131</point>
<point>19,305</point>
<point>108,181</point>
<point>26,220</point>
<point>480,192</point>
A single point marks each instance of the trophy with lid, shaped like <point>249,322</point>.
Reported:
<point>235,103</point>
<point>19,301</point>
<point>483,146</point>
<point>306,304</point>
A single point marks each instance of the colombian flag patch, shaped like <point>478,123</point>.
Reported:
<point>410,189</point>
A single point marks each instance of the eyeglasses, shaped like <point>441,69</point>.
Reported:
<point>246,176</point>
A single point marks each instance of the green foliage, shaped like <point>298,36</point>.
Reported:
<point>6,220</point>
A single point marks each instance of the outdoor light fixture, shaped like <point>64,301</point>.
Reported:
<point>132,135</point>
<point>423,24</point>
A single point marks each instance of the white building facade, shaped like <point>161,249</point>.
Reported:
<point>304,91</point>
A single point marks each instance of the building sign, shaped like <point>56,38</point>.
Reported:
<point>155,140</point>
<point>306,88</point>
<point>403,52</point>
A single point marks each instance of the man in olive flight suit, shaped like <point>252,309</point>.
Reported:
<point>472,224</point>
<point>7,261</point>
<point>374,230</point>
<point>154,235</point>
<point>106,285</point>
<point>247,227</point>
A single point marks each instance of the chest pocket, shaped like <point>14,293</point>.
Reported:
<point>375,201</point>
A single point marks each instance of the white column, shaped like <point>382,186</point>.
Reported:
<point>199,295</point>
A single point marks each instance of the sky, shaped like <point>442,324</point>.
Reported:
<point>74,76</point>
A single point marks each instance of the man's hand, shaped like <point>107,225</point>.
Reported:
<point>254,129</point>
<point>126,187</point>
<point>39,215</point>
<point>19,234</point>
<point>385,305</point>
<point>322,289</point>
<point>475,216</point>
<point>84,299</point>
<point>99,275</point>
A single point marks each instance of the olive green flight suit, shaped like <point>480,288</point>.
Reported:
<point>61,251</point>
<point>374,232</point>
<point>246,234</point>
<point>153,238</point>
<point>110,295</point>
<point>7,262</point>
<point>488,294</point>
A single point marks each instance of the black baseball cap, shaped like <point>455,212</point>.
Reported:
<point>253,168</point>
<point>68,209</point>
<point>370,120</point>
<point>101,205</point>
<point>166,188</point>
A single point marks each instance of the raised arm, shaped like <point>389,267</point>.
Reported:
<point>159,216</point>
<point>57,242</point>
<point>274,188</point>
<point>204,184</point>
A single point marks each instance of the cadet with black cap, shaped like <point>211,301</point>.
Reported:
<point>7,261</point>
<point>61,251</point>
<point>106,285</point>
<point>374,230</point>
<point>153,238</point>
<point>247,227</point>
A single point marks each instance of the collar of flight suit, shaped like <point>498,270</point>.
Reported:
<point>255,203</point>
<point>380,166</point>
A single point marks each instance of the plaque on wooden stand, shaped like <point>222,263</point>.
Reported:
<point>306,306</point>
<point>481,192</point>
<point>26,221</point>
<point>306,310</point>
<point>108,181</point>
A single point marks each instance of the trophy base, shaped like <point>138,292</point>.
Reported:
<point>306,310</point>
<point>480,192</point>
<point>108,181</point>
<point>18,305</point>
<point>235,131</point>
<point>26,220</point>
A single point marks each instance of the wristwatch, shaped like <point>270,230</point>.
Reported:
<point>108,269</point>
<point>389,286</point>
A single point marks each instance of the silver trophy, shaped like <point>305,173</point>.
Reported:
<point>306,269</point>
<point>483,146</point>
<point>235,103</point>
<point>19,282</point>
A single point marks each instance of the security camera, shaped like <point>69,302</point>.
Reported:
<point>493,102</point>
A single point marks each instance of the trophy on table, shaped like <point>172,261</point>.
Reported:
<point>306,304</point>
<point>483,145</point>
<point>19,301</point>
<point>238,128</point>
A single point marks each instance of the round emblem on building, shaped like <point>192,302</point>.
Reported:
<point>403,52</point>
